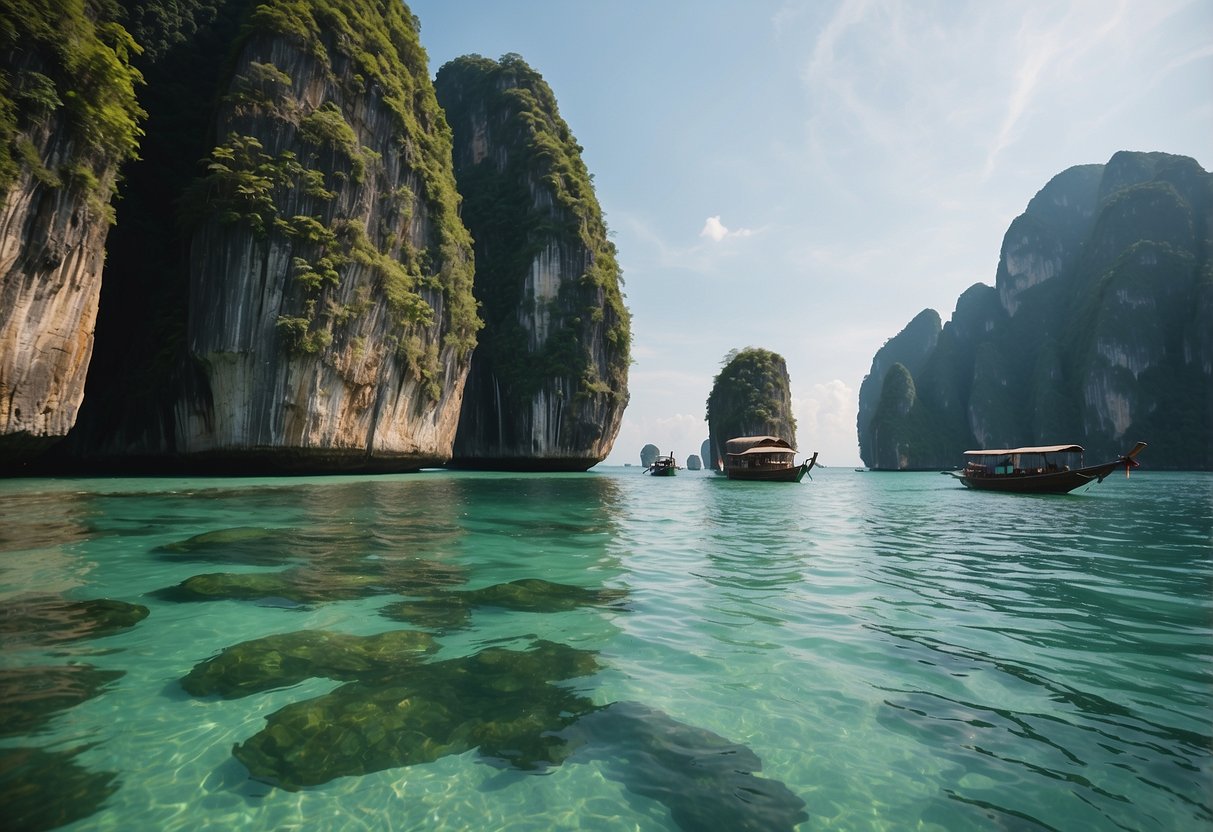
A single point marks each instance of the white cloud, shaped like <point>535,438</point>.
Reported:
<point>825,422</point>
<point>714,229</point>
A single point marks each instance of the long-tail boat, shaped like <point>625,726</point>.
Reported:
<point>1045,469</point>
<point>764,459</point>
<point>663,466</point>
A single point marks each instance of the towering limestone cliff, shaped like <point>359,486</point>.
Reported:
<point>68,119</point>
<point>548,383</point>
<point>1097,331</point>
<point>302,298</point>
<point>751,396</point>
<point>330,310</point>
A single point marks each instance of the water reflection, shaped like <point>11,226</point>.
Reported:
<point>30,697</point>
<point>44,789</point>
<point>42,620</point>
<point>1031,725</point>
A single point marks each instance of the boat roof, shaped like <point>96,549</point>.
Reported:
<point>1040,449</point>
<point>757,445</point>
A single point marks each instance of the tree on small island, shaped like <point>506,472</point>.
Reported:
<point>751,396</point>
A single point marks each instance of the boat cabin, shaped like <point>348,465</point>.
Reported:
<point>1043,459</point>
<point>758,452</point>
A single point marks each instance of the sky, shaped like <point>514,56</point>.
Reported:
<point>807,176</point>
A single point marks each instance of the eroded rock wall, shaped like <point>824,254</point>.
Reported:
<point>331,311</point>
<point>548,384</point>
<point>70,119</point>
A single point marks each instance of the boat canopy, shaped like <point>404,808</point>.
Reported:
<point>758,445</point>
<point>1043,449</point>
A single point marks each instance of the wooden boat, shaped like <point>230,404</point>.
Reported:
<point>1047,469</point>
<point>764,459</point>
<point>663,466</point>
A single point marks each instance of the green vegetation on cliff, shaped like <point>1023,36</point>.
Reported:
<point>751,396</point>
<point>67,55</point>
<point>532,145</point>
<point>370,50</point>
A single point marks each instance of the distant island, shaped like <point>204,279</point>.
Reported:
<point>1098,330</point>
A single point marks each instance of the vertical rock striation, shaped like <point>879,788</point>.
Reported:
<point>331,315</point>
<point>68,119</point>
<point>1096,332</point>
<point>548,383</point>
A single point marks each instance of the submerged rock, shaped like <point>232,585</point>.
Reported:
<point>279,661</point>
<point>453,609</point>
<point>705,780</point>
<point>321,581</point>
<point>501,702</point>
<point>250,545</point>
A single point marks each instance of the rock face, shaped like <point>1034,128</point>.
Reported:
<point>330,313</point>
<point>308,305</point>
<point>649,454</point>
<point>68,112</point>
<point>1097,331</point>
<point>751,396</point>
<point>548,384</point>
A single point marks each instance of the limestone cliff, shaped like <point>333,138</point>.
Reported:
<point>1096,332</point>
<point>330,279</point>
<point>751,396</point>
<point>302,298</point>
<point>548,383</point>
<point>909,348</point>
<point>68,118</point>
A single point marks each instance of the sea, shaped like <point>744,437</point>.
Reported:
<point>605,651</point>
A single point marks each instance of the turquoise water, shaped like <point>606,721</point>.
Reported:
<point>606,651</point>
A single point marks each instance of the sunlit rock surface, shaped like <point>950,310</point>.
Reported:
<point>282,660</point>
<point>331,318</point>
<point>54,212</point>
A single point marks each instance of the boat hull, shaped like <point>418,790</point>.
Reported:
<point>662,472</point>
<point>1053,482</point>
<point>781,473</point>
<point>794,474</point>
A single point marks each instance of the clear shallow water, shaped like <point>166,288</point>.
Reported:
<point>893,650</point>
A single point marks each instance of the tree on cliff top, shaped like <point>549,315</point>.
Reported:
<point>751,396</point>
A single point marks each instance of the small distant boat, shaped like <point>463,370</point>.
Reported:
<point>1047,469</point>
<point>764,459</point>
<point>663,466</point>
